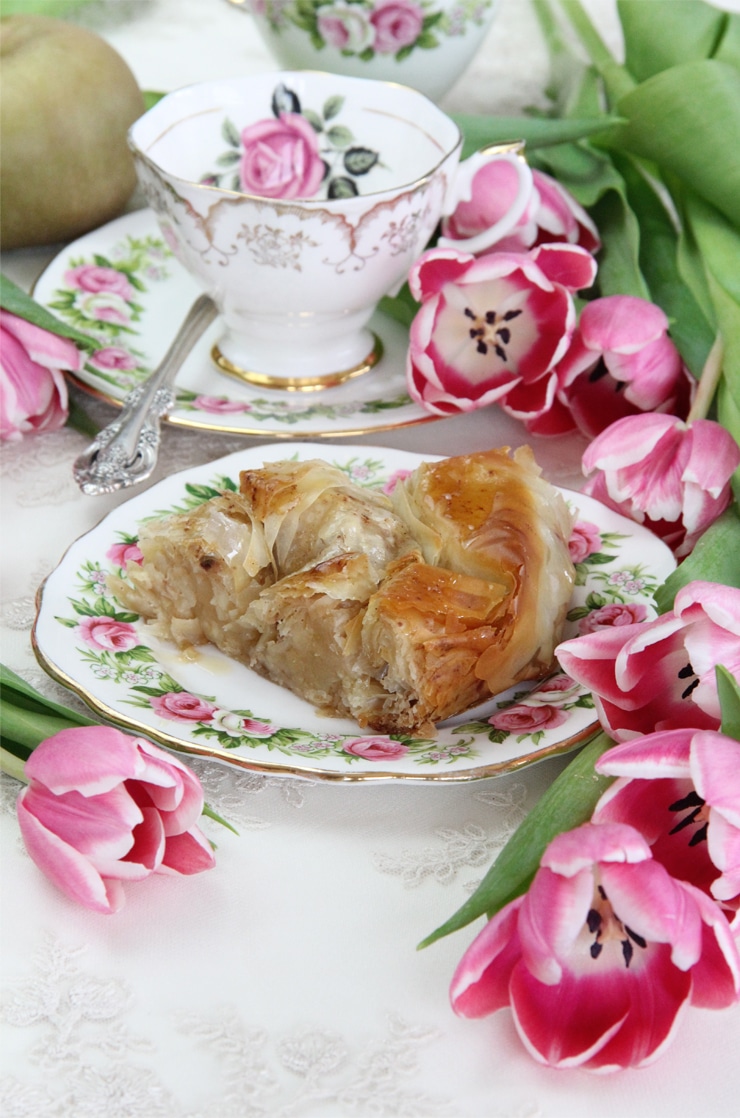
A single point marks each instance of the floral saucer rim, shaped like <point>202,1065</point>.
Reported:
<point>122,285</point>
<point>91,644</point>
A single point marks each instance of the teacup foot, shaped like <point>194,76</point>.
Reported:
<point>298,384</point>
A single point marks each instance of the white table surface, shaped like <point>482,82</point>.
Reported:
<point>286,981</point>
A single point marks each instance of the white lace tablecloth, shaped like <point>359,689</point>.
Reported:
<point>287,980</point>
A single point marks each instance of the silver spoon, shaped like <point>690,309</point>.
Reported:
<point>125,452</point>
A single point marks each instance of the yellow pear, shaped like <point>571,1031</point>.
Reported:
<point>67,99</point>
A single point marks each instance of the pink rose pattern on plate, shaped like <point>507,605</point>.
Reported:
<point>112,647</point>
<point>295,153</point>
<point>364,28</point>
<point>118,364</point>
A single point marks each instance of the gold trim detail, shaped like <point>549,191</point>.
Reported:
<point>298,384</point>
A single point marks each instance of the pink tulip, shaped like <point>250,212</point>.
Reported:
<point>33,392</point>
<point>681,790</point>
<point>660,675</point>
<point>551,214</point>
<point>102,808</point>
<point>492,327</point>
<point>622,362</point>
<point>673,477</point>
<point>600,957</point>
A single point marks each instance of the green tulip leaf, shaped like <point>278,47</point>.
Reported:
<point>568,802</point>
<point>728,689</point>
<point>729,49</point>
<point>683,120</point>
<point>480,131</point>
<point>16,301</point>
<point>658,261</point>
<point>714,559</point>
<point>662,33</point>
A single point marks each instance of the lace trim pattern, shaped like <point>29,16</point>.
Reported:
<point>96,1064</point>
<point>459,848</point>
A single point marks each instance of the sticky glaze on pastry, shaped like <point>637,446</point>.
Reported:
<point>397,612</point>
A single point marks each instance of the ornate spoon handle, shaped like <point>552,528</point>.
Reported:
<point>125,452</point>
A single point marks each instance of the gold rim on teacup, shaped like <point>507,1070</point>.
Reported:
<point>298,384</point>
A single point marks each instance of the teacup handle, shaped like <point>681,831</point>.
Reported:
<point>461,190</point>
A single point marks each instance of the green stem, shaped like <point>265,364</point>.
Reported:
<point>709,381</point>
<point>12,765</point>
<point>617,80</point>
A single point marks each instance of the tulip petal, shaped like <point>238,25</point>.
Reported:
<point>43,347</point>
<point>716,977</point>
<point>551,920</point>
<point>98,826</point>
<point>480,984</point>
<point>145,855</point>
<point>569,265</point>
<point>187,853</point>
<point>69,870</point>
<point>88,763</point>
<point>656,755</point>
<point>657,907</point>
<point>567,1024</point>
<point>715,767</point>
<point>621,323</point>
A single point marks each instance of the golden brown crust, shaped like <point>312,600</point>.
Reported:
<point>400,614</point>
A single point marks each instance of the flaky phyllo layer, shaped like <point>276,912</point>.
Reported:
<point>397,612</point>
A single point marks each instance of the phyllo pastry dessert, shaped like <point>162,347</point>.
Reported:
<point>396,612</point>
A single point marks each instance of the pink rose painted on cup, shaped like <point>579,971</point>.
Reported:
<point>397,23</point>
<point>181,706</point>
<point>281,158</point>
<point>375,749</point>
<point>585,540</point>
<point>524,719</point>
<point>107,633</point>
<point>616,614</point>
<point>113,357</point>
<point>123,553</point>
<point>95,279</point>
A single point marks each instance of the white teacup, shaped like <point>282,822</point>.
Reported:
<point>297,200</point>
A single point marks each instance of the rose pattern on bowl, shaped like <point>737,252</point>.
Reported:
<point>295,153</point>
<point>111,642</point>
<point>365,28</point>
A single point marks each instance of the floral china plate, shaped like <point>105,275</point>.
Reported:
<point>215,707</point>
<point>122,285</point>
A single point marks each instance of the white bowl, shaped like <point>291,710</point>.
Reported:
<point>426,44</point>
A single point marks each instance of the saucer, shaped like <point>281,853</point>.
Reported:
<point>122,285</point>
